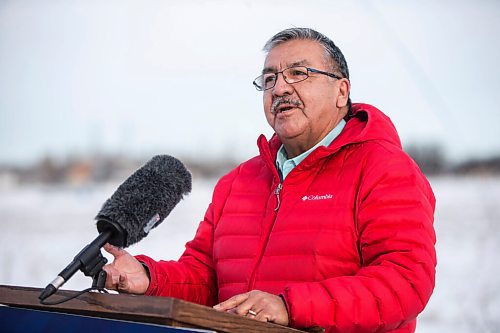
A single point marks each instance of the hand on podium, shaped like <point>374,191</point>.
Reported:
<point>125,274</point>
<point>257,305</point>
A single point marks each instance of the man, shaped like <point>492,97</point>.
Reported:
<point>330,226</point>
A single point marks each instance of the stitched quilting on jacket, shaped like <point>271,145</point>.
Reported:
<point>347,238</point>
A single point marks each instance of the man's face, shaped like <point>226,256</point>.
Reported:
<point>303,113</point>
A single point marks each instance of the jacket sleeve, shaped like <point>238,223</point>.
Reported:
<point>192,277</point>
<point>394,217</point>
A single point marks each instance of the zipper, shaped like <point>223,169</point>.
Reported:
<point>277,193</point>
<point>263,247</point>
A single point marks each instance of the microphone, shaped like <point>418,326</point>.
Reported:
<point>139,204</point>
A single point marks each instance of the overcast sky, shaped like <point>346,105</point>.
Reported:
<point>148,77</point>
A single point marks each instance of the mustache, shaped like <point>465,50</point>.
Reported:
<point>284,100</point>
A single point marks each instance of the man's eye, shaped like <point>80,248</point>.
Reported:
<point>269,78</point>
<point>298,72</point>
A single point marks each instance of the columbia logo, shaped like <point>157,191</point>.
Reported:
<point>317,197</point>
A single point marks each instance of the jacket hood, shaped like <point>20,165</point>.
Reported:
<point>367,123</point>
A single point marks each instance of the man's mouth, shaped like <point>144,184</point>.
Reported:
<point>284,109</point>
<point>281,106</point>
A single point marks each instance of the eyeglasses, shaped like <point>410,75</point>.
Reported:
<point>291,75</point>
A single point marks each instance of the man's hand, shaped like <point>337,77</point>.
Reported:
<point>125,274</point>
<point>258,305</point>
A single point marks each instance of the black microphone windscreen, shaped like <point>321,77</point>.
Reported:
<point>145,199</point>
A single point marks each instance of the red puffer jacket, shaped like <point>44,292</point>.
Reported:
<point>347,238</point>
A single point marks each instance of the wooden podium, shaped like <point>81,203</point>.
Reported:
<point>163,311</point>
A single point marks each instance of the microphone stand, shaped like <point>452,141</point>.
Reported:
<point>99,280</point>
<point>90,261</point>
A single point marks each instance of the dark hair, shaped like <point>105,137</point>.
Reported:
<point>332,52</point>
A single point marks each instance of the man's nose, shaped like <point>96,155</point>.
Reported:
<point>282,87</point>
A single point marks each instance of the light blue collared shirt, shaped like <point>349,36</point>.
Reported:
<point>286,165</point>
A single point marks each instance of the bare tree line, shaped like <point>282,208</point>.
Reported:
<point>95,168</point>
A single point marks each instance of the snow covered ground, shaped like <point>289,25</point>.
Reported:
<point>43,228</point>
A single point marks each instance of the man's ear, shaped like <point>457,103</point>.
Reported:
<point>344,87</point>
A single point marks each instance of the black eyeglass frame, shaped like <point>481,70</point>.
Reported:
<point>309,69</point>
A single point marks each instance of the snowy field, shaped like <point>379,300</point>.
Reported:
<point>46,226</point>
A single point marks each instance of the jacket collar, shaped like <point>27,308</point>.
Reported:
<point>366,124</point>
